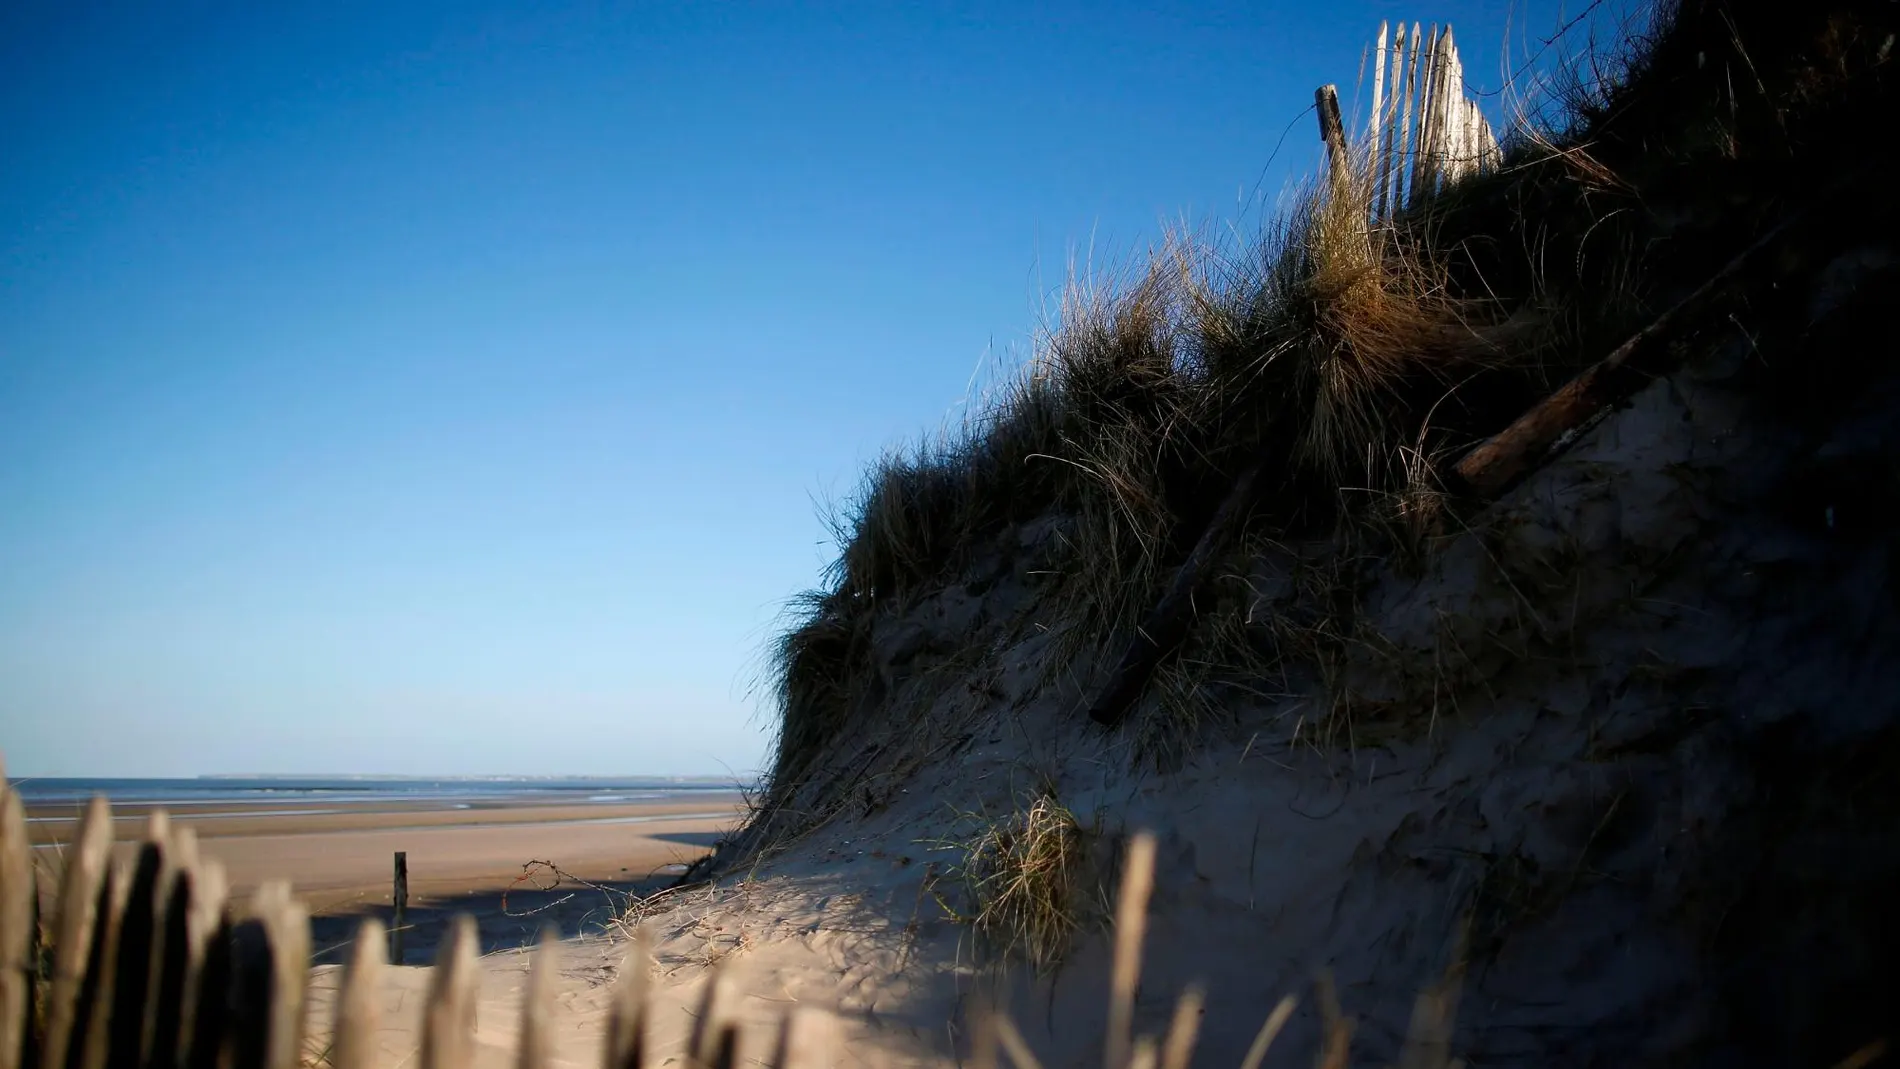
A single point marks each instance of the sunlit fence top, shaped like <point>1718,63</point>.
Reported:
<point>1424,129</point>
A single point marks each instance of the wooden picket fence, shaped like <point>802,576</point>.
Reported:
<point>1424,130</point>
<point>144,964</point>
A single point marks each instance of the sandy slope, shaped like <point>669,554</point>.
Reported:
<point>1659,683</point>
<point>1592,834</point>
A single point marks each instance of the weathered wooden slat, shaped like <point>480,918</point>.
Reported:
<point>172,963</point>
<point>1332,130</point>
<point>1499,463</point>
<point>1377,115</point>
<point>286,927</point>
<point>725,1049</point>
<point>18,892</point>
<point>125,1012</point>
<point>1383,140</point>
<point>399,904</point>
<point>251,993</point>
<point>92,1016</point>
<point>1424,131</point>
<point>626,1019</point>
<point>1422,148</point>
<point>448,1019</point>
<point>86,876</point>
<point>1011,1040</point>
<point>359,1003</point>
<point>1183,1030</point>
<point>1401,179</point>
<point>705,1035</point>
<point>1131,923</point>
<point>207,960</point>
<point>210,1010</point>
<point>533,1046</point>
<point>1269,1031</point>
<point>808,1039</point>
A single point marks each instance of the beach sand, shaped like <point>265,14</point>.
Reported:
<point>516,865</point>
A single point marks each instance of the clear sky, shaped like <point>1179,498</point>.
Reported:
<point>445,388</point>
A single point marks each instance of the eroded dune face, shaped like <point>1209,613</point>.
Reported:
<point>1618,746</point>
<point>1654,689</point>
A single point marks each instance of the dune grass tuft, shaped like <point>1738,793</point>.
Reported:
<point>1024,882</point>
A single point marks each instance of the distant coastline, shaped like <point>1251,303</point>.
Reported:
<point>225,789</point>
<point>379,777</point>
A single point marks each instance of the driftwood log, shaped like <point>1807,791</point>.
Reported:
<point>1541,433</point>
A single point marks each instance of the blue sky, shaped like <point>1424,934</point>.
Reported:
<point>448,388</point>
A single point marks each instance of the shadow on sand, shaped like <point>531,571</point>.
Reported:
<point>508,921</point>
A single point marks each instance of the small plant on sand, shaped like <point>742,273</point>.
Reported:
<point>1022,877</point>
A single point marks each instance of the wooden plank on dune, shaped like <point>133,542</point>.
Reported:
<point>1542,432</point>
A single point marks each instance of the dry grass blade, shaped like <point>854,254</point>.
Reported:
<point>1269,1031</point>
<point>448,1019</point>
<point>1131,920</point>
<point>1182,1030</point>
<point>17,922</point>
<point>359,1008</point>
<point>534,1045</point>
<point>88,958</point>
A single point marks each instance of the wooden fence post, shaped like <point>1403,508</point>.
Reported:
<point>1332,130</point>
<point>400,898</point>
